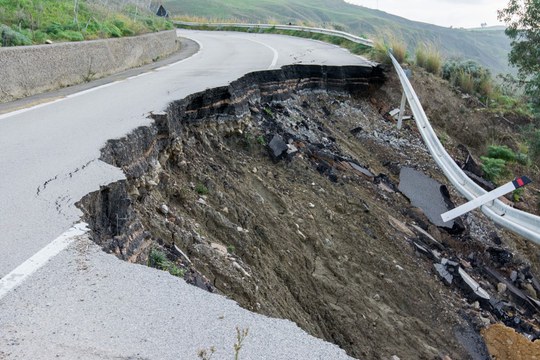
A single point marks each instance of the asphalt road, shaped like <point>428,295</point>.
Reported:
<point>86,304</point>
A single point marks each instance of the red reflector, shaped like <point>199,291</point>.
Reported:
<point>520,182</point>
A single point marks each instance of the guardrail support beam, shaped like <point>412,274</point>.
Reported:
<point>401,110</point>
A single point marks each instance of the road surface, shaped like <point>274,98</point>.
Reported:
<point>87,304</point>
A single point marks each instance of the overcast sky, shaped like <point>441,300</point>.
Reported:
<point>456,13</point>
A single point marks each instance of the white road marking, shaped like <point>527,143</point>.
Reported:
<point>21,111</point>
<point>274,51</point>
<point>30,266</point>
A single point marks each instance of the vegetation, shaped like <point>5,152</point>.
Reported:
<point>201,189</point>
<point>523,21</point>
<point>26,22</point>
<point>429,58</point>
<point>498,157</point>
<point>489,47</point>
<point>353,47</point>
<point>241,335</point>
<point>158,260</point>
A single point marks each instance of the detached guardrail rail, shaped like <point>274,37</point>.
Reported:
<point>520,222</point>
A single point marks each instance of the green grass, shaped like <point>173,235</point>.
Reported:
<point>489,48</point>
<point>25,22</point>
<point>158,260</point>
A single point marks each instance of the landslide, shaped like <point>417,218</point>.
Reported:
<point>281,192</point>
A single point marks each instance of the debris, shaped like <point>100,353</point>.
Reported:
<point>429,195</point>
<point>181,253</point>
<point>516,293</point>
<point>426,236</point>
<point>444,274</point>
<point>278,147</point>
<point>473,286</point>
<point>240,268</point>
<point>398,225</point>
<point>362,170</point>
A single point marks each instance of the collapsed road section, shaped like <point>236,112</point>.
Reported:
<point>282,192</point>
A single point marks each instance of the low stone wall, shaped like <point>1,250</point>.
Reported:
<point>30,70</point>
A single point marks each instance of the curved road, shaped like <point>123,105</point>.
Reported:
<point>84,303</point>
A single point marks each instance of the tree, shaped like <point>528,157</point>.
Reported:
<point>522,18</point>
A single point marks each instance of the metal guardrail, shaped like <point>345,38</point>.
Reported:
<point>342,34</point>
<point>520,222</point>
<point>523,223</point>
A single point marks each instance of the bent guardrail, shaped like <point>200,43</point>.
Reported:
<point>523,223</point>
<point>520,222</point>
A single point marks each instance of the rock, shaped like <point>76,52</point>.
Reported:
<point>395,357</point>
<point>529,289</point>
<point>376,297</point>
<point>311,205</point>
<point>291,149</point>
<point>501,288</point>
<point>399,226</point>
<point>277,147</point>
<point>48,42</point>
<point>476,305</point>
<point>254,170</point>
<point>513,276</point>
<point>164,209</point>
<point>201,201</point>
<point>222,249</point>
<point>444,274</point>
<point>225,210</point>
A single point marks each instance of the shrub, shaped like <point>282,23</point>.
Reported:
<point>10,37</point>
<point>493,168</point>
<point>399,50</point>
<point>429,58</point>
<point>469,76</point>
<point>201,189</point>
<point>158,260</point>
<point>70,35</point>
<point>379,52</point>
<point>501,152</point>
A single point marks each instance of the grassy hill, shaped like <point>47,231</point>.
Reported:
<point>488,47</point>
<point>26,22</point>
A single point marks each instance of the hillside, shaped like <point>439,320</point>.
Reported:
<point>39,21</point>
<point>289,191</point>
<point>489,48</point>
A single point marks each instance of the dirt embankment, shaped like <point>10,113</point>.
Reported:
<point>281,192</point>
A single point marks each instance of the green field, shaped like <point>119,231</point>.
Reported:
<point>489,47</point>
<point>26,22</point>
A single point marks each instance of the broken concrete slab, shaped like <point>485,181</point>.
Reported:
<point>474,288</point>
<point>444,274</point>
<point>424,235</point>
<point>277,147</point>
<point>429,195</point>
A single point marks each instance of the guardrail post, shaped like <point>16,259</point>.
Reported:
<point>401,111</point>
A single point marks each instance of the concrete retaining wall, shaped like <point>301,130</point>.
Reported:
<point>31,70</point>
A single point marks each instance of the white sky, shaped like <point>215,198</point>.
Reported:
<point>456,13</point>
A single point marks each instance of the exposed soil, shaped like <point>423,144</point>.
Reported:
<point>291,208</point>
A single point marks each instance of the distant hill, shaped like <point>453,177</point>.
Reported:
<point>490,48</point>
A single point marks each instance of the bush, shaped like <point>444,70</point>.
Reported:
<point>493,169</point>
<point>10,37</point>
<point>399,50</point>
<point>158,260</point>
<point>469,76</point>
<point>70,35</point>
<point>429,58</point>
<point>501,152</point>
